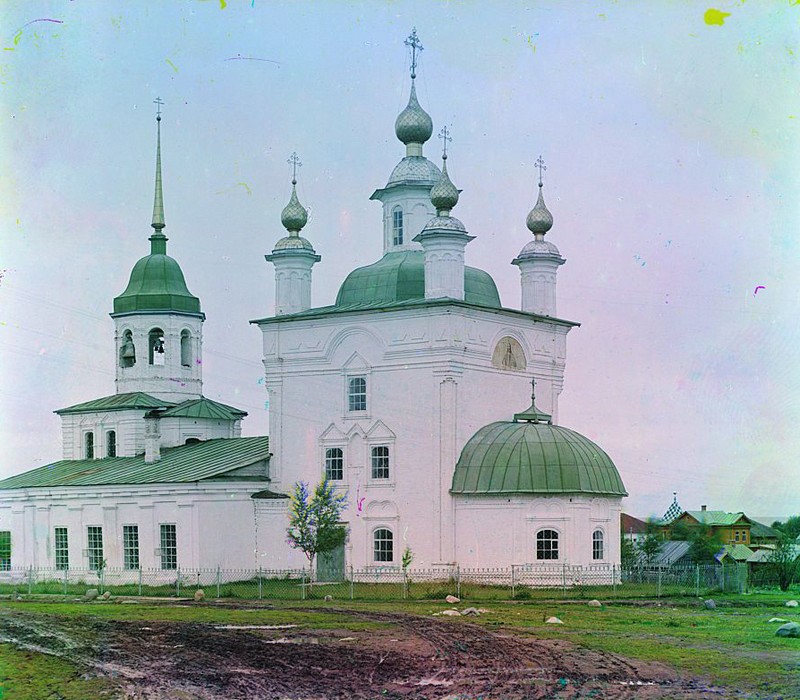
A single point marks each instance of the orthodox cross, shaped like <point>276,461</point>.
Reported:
<point>294,161</point>
<point>533,392</point>
<point>444,134</point>
<point>542,167</point>
<point>416,45</point>
<point>158,101</point>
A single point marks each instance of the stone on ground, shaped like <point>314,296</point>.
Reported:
<point>91,594</point>
<point>790,629</point>
<point>106,595</point>
<point>595,604</point>
<point>710,604</point>
<point>777,619</point>
<point>450,613</point>
<point>554,621</point>
<point>470,611</point>
<point>791,603</point>
<point>199,595</point>
<point>328,598</point>
<point>452,599</point>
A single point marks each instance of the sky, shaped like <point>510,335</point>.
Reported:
<point>671,134</point>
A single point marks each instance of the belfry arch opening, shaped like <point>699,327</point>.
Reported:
<point>127,350</point>
<point>156,347</point>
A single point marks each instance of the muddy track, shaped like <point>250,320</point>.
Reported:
<point>411,657</point>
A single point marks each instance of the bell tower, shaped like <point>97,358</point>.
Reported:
<point>158,322</point>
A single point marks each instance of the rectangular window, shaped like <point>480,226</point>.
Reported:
<point>397,226</point>
<point>547,544</point>
<point>380,462</point>
<point>357,394</point>
<point>5,550</point>
<point>95,547</point>
<point>334,464</point>
<point>130,546</point>
<point>62,548</point>
<point>111,443</point>
<point>169,547</point>
<point>735,535</point>
<point>89,445</point>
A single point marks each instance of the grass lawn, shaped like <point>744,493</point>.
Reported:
<point>733,646</point>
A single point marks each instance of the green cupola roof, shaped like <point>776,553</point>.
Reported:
<point>156,283</point>
<point>400,276</point>
<point>529,455</point>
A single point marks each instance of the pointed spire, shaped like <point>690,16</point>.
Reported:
<point>444,194</point>
<point>158,241</point>
<point>413,125</point>
<point>533,414</point>
<point>540,220</point>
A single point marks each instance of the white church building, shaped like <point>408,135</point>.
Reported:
<point>408,394</point>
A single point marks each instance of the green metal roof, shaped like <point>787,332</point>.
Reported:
<point>738,552</point>
<point>760,531</point>
<point>184,464</point>
<point>717,517</point>
<point>157,284</point>
<point>513,458</point>
<point>117,402</point>
<point>203,408</point>
<point>400,276</point>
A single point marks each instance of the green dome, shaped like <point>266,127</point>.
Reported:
<point>400,276</point>
<point>156,284</point>
<point>534,458</point>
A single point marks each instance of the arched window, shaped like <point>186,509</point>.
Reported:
<point>186,349</point>
<point>597,545</point>
<point>111,443</point>
<point>380,462</point>
<point>397,226</point>
<point>383,545</point>
<point>334,464</point>
<point>547,544</point>
<point>88,442</point>
<point>127,351</point>
<point>156,346</point>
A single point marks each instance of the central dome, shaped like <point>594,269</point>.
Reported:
<point>156,284</point>
<point>400,276</point>
<point>530,457</point>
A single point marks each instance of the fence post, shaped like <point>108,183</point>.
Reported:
<point>303,585</point>
<point>217,580</point>
<point>458,580</point>
<point>140,581</point>
<point>66,572</point>
<point>513,583</point>
<point>614,577</point>
<point>260,593</point>
<point>351,582</point>
<point>102,580</point>
<point>658,583</point>
<point>723,578</point>
<point>564,580</point>
<point>177,583</point>
<point>697,580</point>
<point>30,580</point>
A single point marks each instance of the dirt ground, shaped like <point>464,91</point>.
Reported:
<point>414,657</point>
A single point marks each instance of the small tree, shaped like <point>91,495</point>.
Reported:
<point>704,543</point>
<point>785,562</point>
<point>790,528</point>
<point>314,526</point>
<point>652,542</point>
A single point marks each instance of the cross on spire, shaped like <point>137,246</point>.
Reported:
<point>294,161</point>
<point>416,45</point>
<point>542,167</point>
<point>158,101</point>
<point>533,391</point>
<point>444,134</point>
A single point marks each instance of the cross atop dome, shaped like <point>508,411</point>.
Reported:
<point>542,167</point>
<point>415,45</point>
<point>444,134</point>
<point>294,161</point>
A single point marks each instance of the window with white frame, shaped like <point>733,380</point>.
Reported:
<point>130,546</point>
<point>357,394</point>
<point>397,226</point>
<point>383,545</point>
<point>111,443</point>
<point>380,462</point>
<point>334,464</point>
<point>546,544</point>
<point>94,548</point>
<point>597,545</point>
<point>169,546</point>
<point>61,539</point>
<point>88,444</point>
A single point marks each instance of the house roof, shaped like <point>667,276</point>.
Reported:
<point>117,402</point>
<point>203,408</point>
<point>737,552</point>
<point>184,464</point>
<point>630,525</point>
<point>673,550</point>
<point>717,517</point>
<point>760,531</point>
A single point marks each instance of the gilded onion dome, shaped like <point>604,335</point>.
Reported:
<point>444,195</point>
<point>413,124</point>
<point>540,220</point>
<point>294,216</point>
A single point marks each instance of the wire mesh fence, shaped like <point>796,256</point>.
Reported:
<point>520,582</point>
